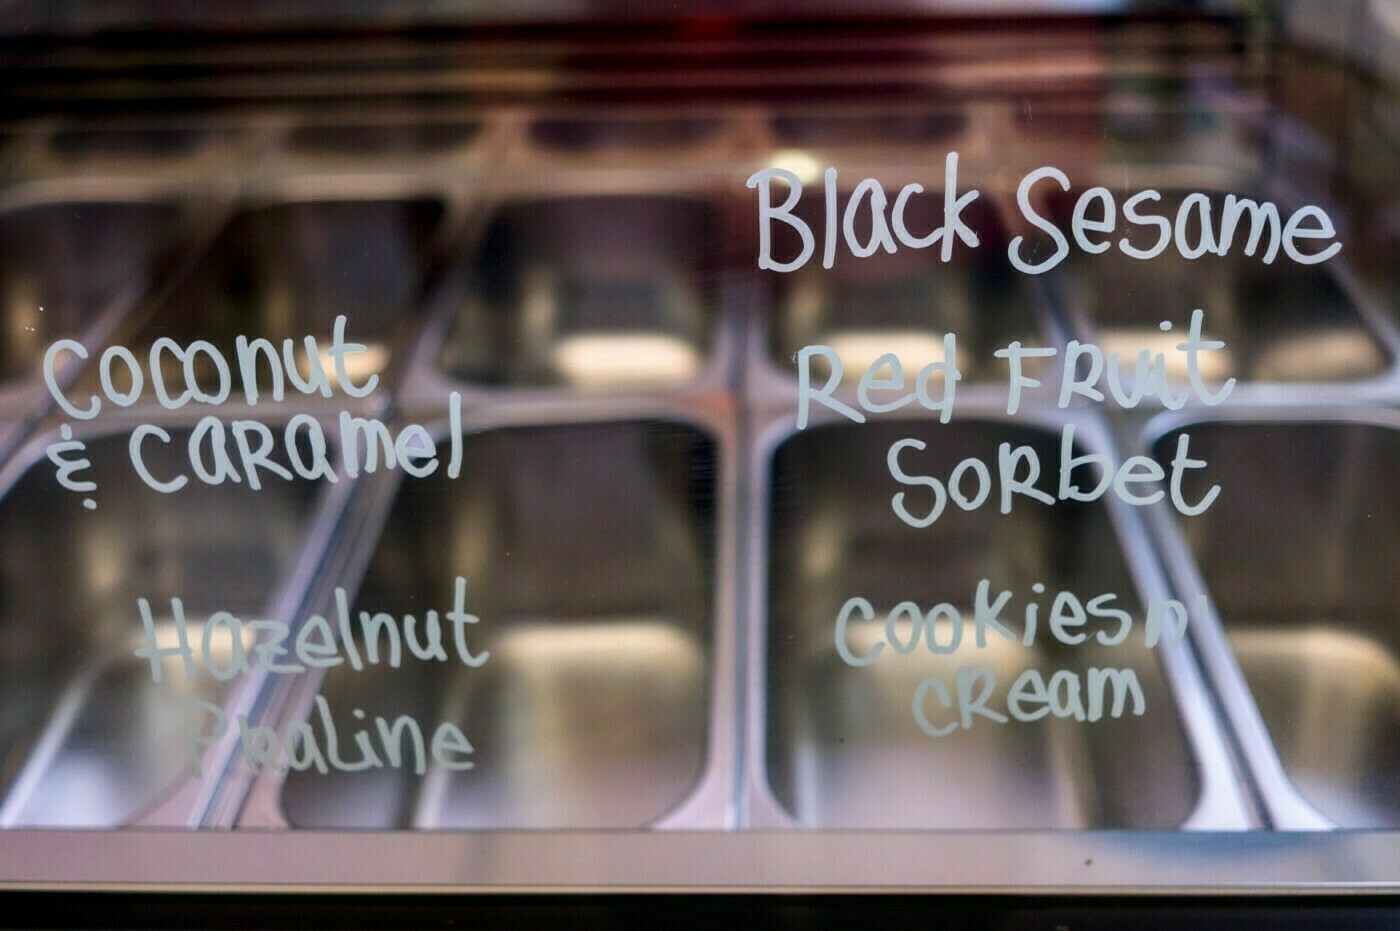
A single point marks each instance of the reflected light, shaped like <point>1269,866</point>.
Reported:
<point>605,360</point>
<point>1215,366</point>
<point>649,642</point>
<point>798,161</point>
<point>358,365</point>
<point>1319,357</point>
<point>167,637</point>
<point>859,349</point>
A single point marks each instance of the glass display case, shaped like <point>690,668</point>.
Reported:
<point>762,447</point>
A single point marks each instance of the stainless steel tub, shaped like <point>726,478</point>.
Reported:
<point>840,745</point>
<point>910,298</point>
<point>62,266</point>
<point>604,135</point>
<point>865,128</point>
<point>589,553</point>
<point>366,142</point>
<point>155,144</point>
<point>188,153</point>
<point>904,303</point>
<point>89,738</point>
<point>620,149</point>
<point>1298,554</point>
<point>287,270</point>
<point>1284,325</point>
<point>589,294</point>
<point>1125,127</point>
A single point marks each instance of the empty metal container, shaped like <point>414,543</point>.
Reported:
<point>128,143</point>
<point>286,271</point>
<point>363,143</point>
<point>627,136</point>
<point>843,746</point>
<point>1282,323</point>
<point>1298,553</point>
<point>595,293</point>
<point>865,128</point>
<point>63,264</point>
<point>183,154</point>
<point>903,303</point>
<point>88,737</point>
<point>588,553</point>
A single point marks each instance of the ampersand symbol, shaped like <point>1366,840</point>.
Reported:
<point>58,454</point>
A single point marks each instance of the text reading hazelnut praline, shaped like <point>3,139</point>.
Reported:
<point>226,647</point>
